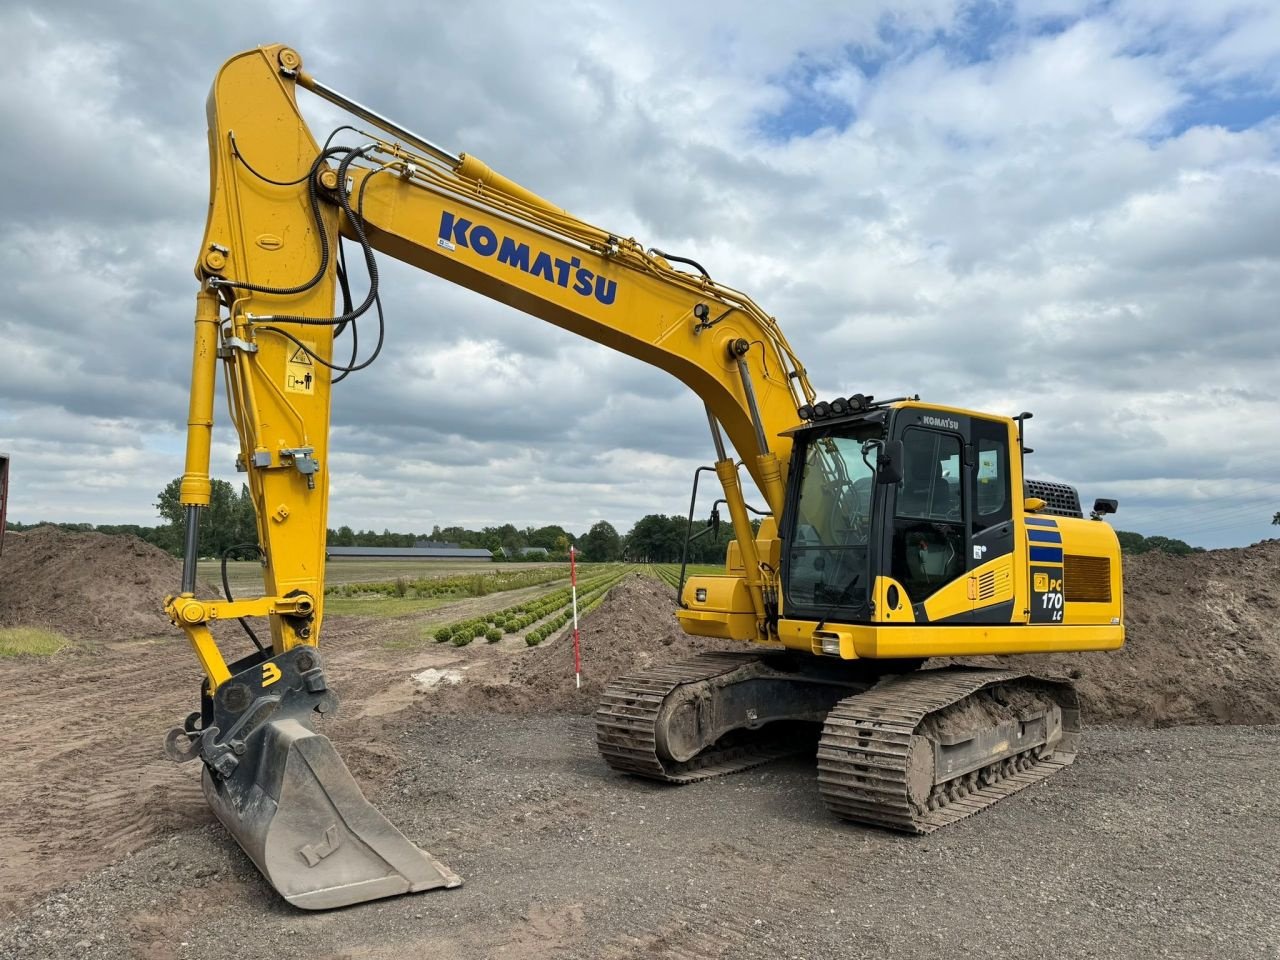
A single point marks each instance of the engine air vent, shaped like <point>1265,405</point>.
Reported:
<point>1086,579</point>
<point>987,585</point>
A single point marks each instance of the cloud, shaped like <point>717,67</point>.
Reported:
<point>1062,208</point>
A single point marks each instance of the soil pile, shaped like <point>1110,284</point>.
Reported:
<point>1203,643</point>
<point>86,585</point>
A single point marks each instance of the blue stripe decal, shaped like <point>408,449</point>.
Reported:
<point>1041,522</point>
<point>1044,536</point>
<point>1046,554</point>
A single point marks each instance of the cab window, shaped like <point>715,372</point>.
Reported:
<point>930,487</point>
<point>991,474</point>
<point>929,527</point>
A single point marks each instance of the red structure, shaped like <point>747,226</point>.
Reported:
<point>4,493</point>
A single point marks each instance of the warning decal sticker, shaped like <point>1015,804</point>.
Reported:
<point>300,371</point>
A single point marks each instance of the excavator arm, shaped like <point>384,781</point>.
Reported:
<point>268,309</point>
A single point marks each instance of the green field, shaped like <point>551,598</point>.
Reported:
<point>246,575</point>
<point>670,572</point>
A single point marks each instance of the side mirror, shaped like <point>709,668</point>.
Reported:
<point>889,463</point>
<point>1102,507</point>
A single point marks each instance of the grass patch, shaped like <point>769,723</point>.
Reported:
<point>378,605</point>
<point>30,642</point>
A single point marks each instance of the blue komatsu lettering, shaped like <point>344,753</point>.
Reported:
<point>455,229</point>
<point>517,255</point>
<point>542,267</point>
<point>483,241</point>
<point>606,290</point>
<point>486,241</point>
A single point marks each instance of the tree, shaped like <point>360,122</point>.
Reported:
<point>656,539</point>
<point>1276,520</point>
<point>1131,542</point>
<point>227,520</point>
<point>507,536</point>
<point>549,537</point>
<point>601,543</point>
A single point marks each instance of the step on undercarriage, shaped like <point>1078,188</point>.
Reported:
<point>911,752</point>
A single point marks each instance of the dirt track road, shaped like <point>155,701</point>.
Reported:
<point>1155,844</point>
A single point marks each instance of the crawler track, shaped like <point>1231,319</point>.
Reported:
<point>869,769</point>
<point>626,724</point>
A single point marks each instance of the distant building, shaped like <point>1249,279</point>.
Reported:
<point>525,552</point>
<point>448,551</point>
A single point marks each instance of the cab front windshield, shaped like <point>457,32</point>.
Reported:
<point>828,566</point>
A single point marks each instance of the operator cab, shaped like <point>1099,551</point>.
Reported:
<point>919,495</point>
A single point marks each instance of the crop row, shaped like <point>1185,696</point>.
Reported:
<point>587,601</point>
<point>465,585</point>
<point>520,616</point>
<point>669,573</point>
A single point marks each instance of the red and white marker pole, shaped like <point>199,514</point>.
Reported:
<point>577,650</point>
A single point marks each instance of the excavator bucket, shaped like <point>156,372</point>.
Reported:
<point>303,820</point>
<point>291,803</point>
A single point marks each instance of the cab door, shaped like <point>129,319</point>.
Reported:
<point>991,540</point>
<point>928,545</point>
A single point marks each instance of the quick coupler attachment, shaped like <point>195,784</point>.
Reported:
<point>287,797</point>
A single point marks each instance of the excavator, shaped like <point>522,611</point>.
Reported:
<point>892,531</point>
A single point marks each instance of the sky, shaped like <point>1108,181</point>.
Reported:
<point>1071,208</point>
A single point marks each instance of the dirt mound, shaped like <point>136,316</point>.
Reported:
<point>1203,647</point>
<point>1203,642</point>
<point>634,628</point>
<point>86,585</point>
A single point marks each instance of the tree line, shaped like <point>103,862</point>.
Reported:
<point>229,522</point>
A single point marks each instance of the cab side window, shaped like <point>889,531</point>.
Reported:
<point>991,497</point>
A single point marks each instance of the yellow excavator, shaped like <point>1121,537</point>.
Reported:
<point>893,531</point>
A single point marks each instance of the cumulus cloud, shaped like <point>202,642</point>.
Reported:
<point>1062,207</point>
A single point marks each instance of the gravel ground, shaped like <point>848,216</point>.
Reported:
<point>1156,843</point>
